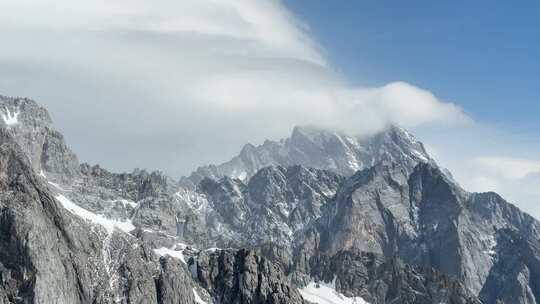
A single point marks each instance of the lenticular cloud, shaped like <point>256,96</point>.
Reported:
<point>247,68</point>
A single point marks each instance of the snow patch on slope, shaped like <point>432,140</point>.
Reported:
<point>491,243</point>
<point>321,293</point>
<point>57,186</point>
<point>109,224</point>
<point>198,299</point>
<point>125,202</point>
<point>192,199</point>
<point>11,118</point>
<point>177,252</point>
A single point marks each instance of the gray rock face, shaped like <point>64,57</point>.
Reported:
<point>274,206</point>
<point>35,237</point>
<point>134,186</point>
<point>426,219</point>
<point>34,133</point>
<point>124,196</point>
<point>322,149</point>
<point>515,274</point>
<point>243,277</point>
<point>368,275</point>
<point>48,255</point>
<point>171,284</point>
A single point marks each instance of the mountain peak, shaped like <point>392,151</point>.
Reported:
<point>314,134</point>
<point>311,146</point>
<point>24,111</point>
<point>31,126</point>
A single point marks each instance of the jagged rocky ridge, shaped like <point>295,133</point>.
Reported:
<point>310,203</point>
<point>322,149</point>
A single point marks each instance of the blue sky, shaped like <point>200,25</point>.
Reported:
<point>482,55</point>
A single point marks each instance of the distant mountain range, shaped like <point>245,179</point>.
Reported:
<point>319,217</point>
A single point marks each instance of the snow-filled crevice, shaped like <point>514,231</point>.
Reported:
<point>176,252</point>
<point>323,293</point>
<point>109,224</point>
<point>10,118</point>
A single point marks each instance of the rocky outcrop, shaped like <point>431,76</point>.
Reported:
<point>134,186</point>
<point>515,275</point>
<point>243,277</point>
<point>381,281</point>
<point>148,199</point>
<point>37,237</point>
<point>41,143</point>
<point>274,206</point>
<point>171,284</point>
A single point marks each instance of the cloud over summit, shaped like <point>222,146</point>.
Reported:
<point>183,83</point>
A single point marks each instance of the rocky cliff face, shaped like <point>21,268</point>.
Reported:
<point>274,206</point>
<point>426,219</point>
<point>41,143</point>
<point>49,255</point>
<point>243,277</point>
<point>382,281</point>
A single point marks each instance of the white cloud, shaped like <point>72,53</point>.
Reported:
<point>184,83</point>
<point>266,22</point>
<point>486,159</point>
<point>523,192</point>
<point>483,158</point>
<point>516,179</point>
<point>512,177</point>
<point>508,167</point>
<point>482,183</point>
<point>399,103</point>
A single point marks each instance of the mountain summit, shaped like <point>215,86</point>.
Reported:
<point>323,149</point>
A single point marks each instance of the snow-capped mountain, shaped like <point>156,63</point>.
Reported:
<point>322,149</point>
<point>320,216</point>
